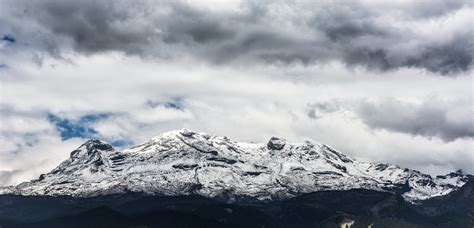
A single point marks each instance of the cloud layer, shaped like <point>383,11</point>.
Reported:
<point>448,120</point>
<point>376,36</point>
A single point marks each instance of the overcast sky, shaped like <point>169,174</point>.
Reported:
<point>381,82</point>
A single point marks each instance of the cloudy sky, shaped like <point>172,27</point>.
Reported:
<point>381,82</point>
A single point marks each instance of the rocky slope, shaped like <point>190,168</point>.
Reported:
<point>184,162</point>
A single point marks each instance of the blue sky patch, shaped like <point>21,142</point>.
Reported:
<point>81,128</point>
<point>76,128</point>
<point>9,38</point>
<point>176,104</point>
<point>121,143</point>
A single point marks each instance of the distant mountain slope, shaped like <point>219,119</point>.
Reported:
<point>185,162</point>
<point>318,209</point>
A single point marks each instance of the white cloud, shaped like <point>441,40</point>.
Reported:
<point>250,104</point>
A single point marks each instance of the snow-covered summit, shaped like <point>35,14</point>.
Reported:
<point>187,162</point>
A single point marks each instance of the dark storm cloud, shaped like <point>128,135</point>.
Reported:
<point>186,25</point>
<point>372,59</point>
<point>446,59</point>
<point>449,58</point>
<point>92,27</point>
<point>368,41</point>
<point>436,9</point>
<point>354,33</point>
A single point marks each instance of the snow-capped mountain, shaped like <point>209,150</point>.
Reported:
<point>186,162</point>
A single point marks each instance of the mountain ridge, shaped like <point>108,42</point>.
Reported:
<point>185,162</point>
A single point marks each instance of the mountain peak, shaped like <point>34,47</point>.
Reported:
<point>458,172</point>
<point>184,162</point>
<point>97,144</point>
<point>186,132</point>
<point>276,143</point>
<point>90,148</point>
